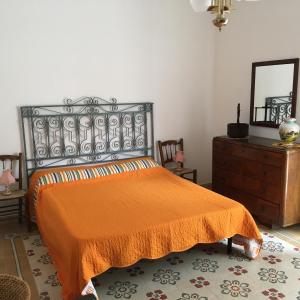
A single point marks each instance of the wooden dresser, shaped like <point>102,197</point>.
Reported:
<point>266,179</point>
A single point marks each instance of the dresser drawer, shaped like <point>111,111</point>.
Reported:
<point>271,175</point>
<point>234,164</point>
<point>244,152</point>
<point>255,186</point>
<point>250,185</point>
<point>265,211</point>
<point>272,193</point>
<point>267,173</point>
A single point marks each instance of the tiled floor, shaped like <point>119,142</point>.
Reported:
<point>10,225</point>
<point>291,232</point>
<point>179,275</point>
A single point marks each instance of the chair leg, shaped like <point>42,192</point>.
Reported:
<point>29,225</point>
<point>229,246</point>
<point>195,176</point>
<point>20,209</point>
<point>28,217</point>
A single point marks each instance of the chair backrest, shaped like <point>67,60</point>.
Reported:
<point>167,150</point>
<point>13,162</point>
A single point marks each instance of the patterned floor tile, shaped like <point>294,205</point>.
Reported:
<point>205,272</point>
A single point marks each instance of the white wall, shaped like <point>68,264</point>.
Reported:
<point>258,31</point>
<point>141,50</point>
<point>135,50</point>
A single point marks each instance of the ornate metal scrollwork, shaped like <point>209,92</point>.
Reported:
<point>275,110</point>
<point>280,108</point>
<point>85,130</point>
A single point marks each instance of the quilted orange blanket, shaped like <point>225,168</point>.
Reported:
<point>91,225</point>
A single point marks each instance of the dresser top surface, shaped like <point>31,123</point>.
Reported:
<point>256,141</point>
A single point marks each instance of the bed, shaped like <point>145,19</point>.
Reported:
<point>96,216</point>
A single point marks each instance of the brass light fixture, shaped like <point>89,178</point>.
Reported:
<point>221,8</point>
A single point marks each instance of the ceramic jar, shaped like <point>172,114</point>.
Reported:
<point>289,130</point>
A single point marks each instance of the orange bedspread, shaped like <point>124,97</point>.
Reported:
<point>92,225</point>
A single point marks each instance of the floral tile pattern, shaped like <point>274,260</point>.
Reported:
<point>272,275</point>
<point>157,295</point>
<point>135,271</point>
<point>166,276</point>
<point>205,272</point>
<point>271,259</point>
<point>238,256</point>
<point>193,296</point>
<point>272,246</point>
<point>205,265</point>
<point>238,270</point>
<point>273,294</point>
<point>174,260</point>
<point>45,259</point>
<point>235,288</point>
<point>122,290</point>
<point>199,282</point>
<point>296,262</point>
<point>53,280</point>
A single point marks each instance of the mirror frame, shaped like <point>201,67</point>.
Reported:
<point>294,61</point>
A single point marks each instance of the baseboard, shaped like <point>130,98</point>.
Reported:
<point>207,185</point>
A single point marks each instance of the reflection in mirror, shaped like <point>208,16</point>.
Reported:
<point>273,92</point>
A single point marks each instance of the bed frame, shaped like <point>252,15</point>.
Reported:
<point>85,131</point>
<point>276,109</point>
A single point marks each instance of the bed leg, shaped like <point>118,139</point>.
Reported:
<point>87,297</point>
<point>229,245</point>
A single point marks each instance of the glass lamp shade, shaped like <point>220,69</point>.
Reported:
<point>7,179</point>
<point>179,157</point>
<point>200,5</point>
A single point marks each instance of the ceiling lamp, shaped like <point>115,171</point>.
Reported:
<point>221,8</point>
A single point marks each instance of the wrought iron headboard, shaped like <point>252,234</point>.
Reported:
<point>276,109</point>
<point>280,108</point>
<point>85,131</point>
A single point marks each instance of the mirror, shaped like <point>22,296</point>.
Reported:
<point>273,92</point>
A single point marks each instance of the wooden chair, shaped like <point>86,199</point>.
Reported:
<point>167,151</point>
<point>13,162</point>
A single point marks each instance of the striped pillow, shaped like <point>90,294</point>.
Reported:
<point>90,173</point>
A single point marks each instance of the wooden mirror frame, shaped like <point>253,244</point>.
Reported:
<point>295,62</point>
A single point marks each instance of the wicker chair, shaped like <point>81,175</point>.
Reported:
<point>13,288</point>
